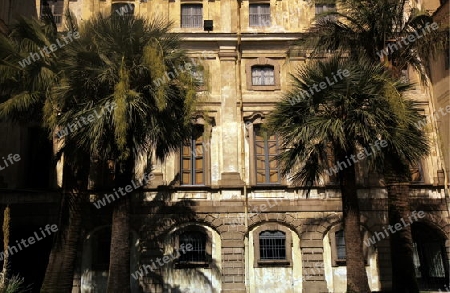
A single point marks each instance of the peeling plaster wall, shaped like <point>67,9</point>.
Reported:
<point>273,279</point>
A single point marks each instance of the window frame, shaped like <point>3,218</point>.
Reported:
<point>198,121</point>
<point>264,71</point>
<point>183,25</point>
<point>261,23</point>
<point>335,261</point>
<point>192,158</point>
<point>258,262</point>
<point>268,157</point>
<point>263,61</point>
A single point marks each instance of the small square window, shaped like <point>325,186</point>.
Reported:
<point>191,16</point>
<point>259,15</point>
<point>263,75</point>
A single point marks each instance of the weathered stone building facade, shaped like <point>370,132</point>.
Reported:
<point>252,231</point>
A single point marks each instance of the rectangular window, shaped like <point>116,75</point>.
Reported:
<point>122,9</point>
<point>263,75</point>
<point>340,245</point>
<point>266,148</point>
<point>198,74</point>
<point>198,242</point>
<point>192,160</point>
<point>323,8</point>
<point>56,8</point>
<point>191,15</point>
<point>259,15</point>
<point>272,245</point>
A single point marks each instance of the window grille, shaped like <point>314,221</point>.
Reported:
<point>272,245</point>
<point>191,15</point>
<point>263,75</point>
<point>259,14</point>
<point>198,242</point>
<point>340,245</point>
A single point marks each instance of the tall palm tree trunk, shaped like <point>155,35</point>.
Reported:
<point>357,281</point>
<point>119,263</point>
<point>61,266</point>
<point>403,274</point>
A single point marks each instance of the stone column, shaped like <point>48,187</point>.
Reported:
<point>312,254</point>
<point>228,117</point>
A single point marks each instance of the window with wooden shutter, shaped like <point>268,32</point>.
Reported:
<point>266,149</point>
<point>191,15</point>
<point>193,160</point>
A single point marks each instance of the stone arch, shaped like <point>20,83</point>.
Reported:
<point>287,269</point>
<point>202,278</point>
<point>278,218</point>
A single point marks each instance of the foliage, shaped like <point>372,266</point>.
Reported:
<point>349,115</point>
<point>366,27</point>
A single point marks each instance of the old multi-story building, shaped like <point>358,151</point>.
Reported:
<point>250,229</point>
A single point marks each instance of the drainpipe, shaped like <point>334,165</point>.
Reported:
<point>243,169</point>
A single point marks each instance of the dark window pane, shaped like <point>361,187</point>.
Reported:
<point>272,245</point>
<point>198,242</point>
<point>340,244</point>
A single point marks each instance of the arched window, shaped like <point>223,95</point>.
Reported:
<point>272,244</point>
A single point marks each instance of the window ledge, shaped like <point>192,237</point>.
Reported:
<point>192,264</point>
<point>274,263</point>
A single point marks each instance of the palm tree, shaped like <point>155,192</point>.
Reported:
<point>28,79</point>
<point>390,31</point>
<point>349,115</point>
<point>111,69</point>
<point>397,35</point>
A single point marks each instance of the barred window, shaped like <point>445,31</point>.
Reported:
<point>263,75</point>
<point>272,245</point>
<point>191,15</point>
<point>340,245</point>
<point>198,242</point>
<point>259,14</point>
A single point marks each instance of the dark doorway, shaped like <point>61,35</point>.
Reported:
<point>430,258</point>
